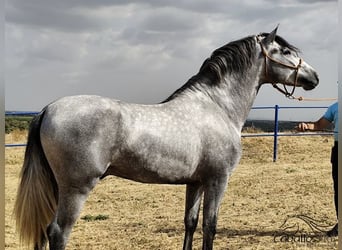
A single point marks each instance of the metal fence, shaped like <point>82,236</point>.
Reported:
<point>275,134</point>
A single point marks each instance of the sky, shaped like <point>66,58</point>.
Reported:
<point>142,51</point>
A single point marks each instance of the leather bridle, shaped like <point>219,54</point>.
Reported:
<point>274,84</point>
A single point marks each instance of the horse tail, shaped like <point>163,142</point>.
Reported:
<point>37,195</point>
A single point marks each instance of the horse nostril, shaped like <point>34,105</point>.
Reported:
<point>317,78</point>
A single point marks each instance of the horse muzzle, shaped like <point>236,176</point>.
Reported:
<point>309,83</point>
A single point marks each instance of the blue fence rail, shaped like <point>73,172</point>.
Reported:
<point>275,134</point>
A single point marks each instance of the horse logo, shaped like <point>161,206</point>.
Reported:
<point>302,229</point>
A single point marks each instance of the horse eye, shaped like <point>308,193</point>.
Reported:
<point>287,52</point>
<point>273,51</point>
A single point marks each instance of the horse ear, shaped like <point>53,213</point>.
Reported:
<point>270,38</point>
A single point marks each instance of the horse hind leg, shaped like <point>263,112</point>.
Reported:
<point>42,244</point>
<point>193,202</point>
<point>70,202</point>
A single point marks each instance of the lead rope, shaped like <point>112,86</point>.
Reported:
<point>301,98</point>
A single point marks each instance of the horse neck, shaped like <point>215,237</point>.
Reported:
<point>237,97</point>
<point>234,95</point>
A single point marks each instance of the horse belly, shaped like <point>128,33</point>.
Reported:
<point>155,166</point>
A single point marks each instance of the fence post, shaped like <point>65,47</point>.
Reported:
<point>275,136</point>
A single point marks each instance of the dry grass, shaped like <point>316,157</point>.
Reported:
<point>121,214</point>
<point>17,136</point>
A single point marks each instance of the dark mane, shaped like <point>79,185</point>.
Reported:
<point>231,58</point>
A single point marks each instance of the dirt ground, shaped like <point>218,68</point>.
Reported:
<point>261,195</point>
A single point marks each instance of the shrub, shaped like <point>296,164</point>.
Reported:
<point>17,123</point>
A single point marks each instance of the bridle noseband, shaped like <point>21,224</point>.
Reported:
<point>274,84</point>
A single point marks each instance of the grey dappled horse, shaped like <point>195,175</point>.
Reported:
<point>191,138</point>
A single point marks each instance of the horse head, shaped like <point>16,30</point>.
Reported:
<point>283,65</point>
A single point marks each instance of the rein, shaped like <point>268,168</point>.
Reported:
<point>296,68</point>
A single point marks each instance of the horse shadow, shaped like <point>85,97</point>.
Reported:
<point>293,226</point>
<point>227,232</point>
<point>257,232</point>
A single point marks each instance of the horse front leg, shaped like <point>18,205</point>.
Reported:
<point>193,202</point>
<point>213,194</point>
